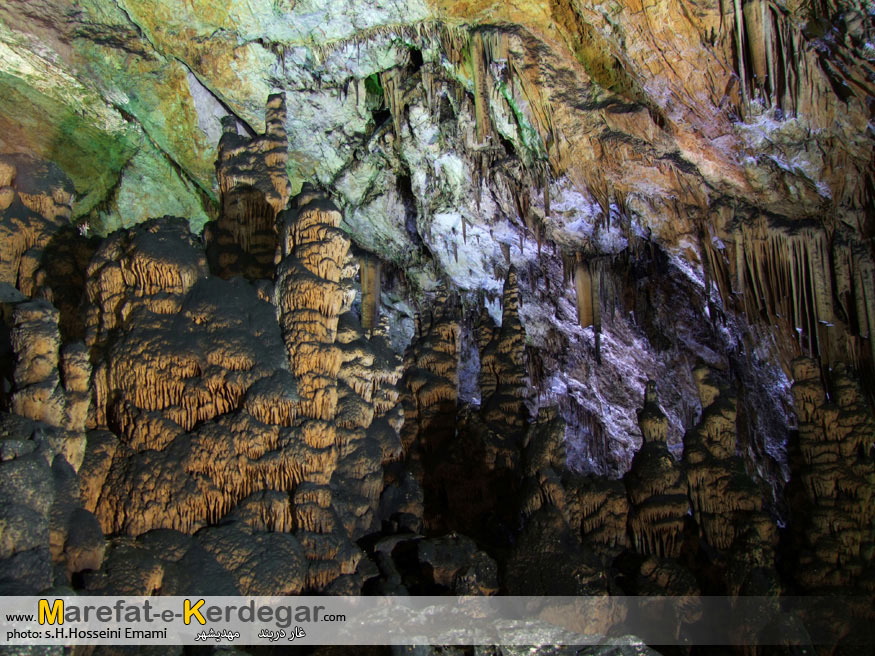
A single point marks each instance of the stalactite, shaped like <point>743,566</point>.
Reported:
<point>802,284</point>
<point>391,84</point>
<point>370,279</point>
<point>583,288</point>
<point>481,96</point>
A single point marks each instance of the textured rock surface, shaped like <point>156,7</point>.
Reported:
<point>254,188</point>
<point>574,204</point>
<point>834,460</point>
<point>655,485</point>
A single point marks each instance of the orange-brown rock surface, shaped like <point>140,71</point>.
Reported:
<point>254,189</point>
<point>263,434</point>
<point>656,488</point>
<point>832,480</point>
<point>726,503</point>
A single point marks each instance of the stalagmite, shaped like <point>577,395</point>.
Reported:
<point>366,424</point>
<point>656,489</point>
<point>651,419</point>
<point>255,187</point>
<point>481,95</point>
<point>332,378</point>
<point>35,202</point>
<point>726,503</point>
<point>502,364</point>
<point>583,287</point>
<point>431,377</point>
<point>833,477</point>
<point>600,508</point>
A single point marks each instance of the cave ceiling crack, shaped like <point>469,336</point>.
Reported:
<point>148,39</point>
<point>206,195</point>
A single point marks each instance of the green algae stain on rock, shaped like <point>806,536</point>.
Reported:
<point>150,187</point>
<point>90,156</point>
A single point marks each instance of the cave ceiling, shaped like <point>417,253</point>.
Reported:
<point>287,273</point>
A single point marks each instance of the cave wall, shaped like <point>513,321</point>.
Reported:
<point>439,296</point>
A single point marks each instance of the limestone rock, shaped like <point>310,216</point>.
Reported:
<point>657,492</point>
<point>548,560</point>
<point>36,199</point>
<point>833,479</point>
<point>161,561</point>
<point>432,376</point>
<point>254,189</point>
<point>455,563</point>
<point>26,495</point>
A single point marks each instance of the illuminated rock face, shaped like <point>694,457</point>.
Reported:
<point>368,419</point>
<point>254,188</point>
<point>236,410</point>
<point>432,377</point>
<point>656,488</point>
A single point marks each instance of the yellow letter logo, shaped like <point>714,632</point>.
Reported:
<point>190,610</point>
<point>53,615</point>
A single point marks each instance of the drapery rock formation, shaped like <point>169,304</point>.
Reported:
<point>368,420</point>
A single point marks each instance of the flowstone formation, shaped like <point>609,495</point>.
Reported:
<point>655,484</point>
<point>423,373</point>
<point>831,499</point>
<point>254,189</point>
